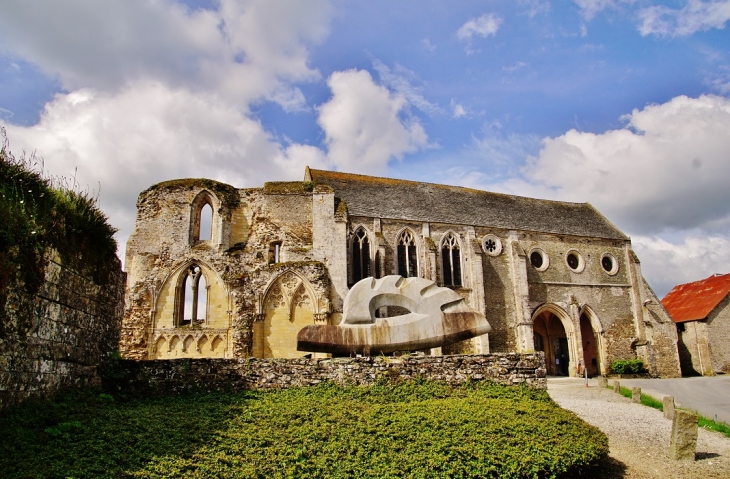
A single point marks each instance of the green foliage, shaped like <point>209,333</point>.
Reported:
<point>651,402</point>
<point>628,366</point>
<point>408,429</point>
<point>37,213</point>
<point>711,425</point>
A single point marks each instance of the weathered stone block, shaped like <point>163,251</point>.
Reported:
<point>617,387</point>
<point>636,395</point>
<point>668,407</point>
<point>602,382</point>
<point>684,436</point>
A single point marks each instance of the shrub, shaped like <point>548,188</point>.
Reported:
<point>408,429</point>
<point>628,366</point>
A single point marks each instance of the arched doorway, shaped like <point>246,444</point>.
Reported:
<point>552,338</point>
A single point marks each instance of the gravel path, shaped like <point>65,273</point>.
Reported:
<point>638,435</point>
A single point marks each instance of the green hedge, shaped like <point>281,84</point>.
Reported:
<point>414,429</point>
<point>628,366</point>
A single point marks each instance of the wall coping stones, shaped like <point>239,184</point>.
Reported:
<point>174,376</point>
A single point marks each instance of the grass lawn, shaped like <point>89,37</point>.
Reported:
<point>410,429</point>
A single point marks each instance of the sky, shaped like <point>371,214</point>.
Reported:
<point>621,103</point>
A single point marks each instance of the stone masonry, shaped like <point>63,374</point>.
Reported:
<point>58,337</point>
<point>181,375</point>
<point>550,276</point>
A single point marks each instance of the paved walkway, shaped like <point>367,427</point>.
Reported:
<point>638,436</point>
<point>710,396</point>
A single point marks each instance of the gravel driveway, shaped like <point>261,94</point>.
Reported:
<point>638,435</point>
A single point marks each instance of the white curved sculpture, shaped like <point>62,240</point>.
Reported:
<point>438,317</point>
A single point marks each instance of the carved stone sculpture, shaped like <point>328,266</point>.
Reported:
<point>437,317</point>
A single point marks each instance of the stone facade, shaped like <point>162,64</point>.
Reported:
<point>176,376</point>
<point>550,276</point>
<point>58,337</point>
<point>701,310</point>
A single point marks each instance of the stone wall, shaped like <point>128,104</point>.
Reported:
<point>58,337</point>
<point>180,375</point>
<point>718,333</point>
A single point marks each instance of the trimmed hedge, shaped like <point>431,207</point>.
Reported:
<point>628,366</point>
<point>410,429</point>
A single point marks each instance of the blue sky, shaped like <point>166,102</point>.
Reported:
<point>621,103</point>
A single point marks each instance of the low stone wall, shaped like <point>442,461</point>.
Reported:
<point>181,375</point>
<point>56,338</point>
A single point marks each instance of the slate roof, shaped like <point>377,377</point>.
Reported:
<point>428,202</point>
<point>693,301</point>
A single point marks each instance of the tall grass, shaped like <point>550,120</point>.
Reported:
<point>39,212</point>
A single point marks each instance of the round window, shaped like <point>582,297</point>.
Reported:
<point>492,245</point>
<point>609,263</point>
<point>539,259</point>
<point>574,261</point>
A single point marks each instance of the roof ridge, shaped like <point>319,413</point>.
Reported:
<point>441,185</point>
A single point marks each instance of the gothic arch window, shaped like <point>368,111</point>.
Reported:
<point>451,261</point>
<point>206,223</point>
<point>192,297</point>
<point>407,254</point>
<point>360,255</point>
<point>201,221</point>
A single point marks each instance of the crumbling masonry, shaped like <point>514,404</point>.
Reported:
<point>216,271</point>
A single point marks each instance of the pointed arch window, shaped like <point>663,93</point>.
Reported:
<point>206,223</point>
<point>360,255</point>
<point>201,220</point>
<point>407,255</point>
<point>451,261</point>
<point>192,297</point>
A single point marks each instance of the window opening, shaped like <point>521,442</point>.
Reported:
<point>378,272</point>
<point>407,255</point>
<point>451,260</point>
<point>360,255</point>
<point>573,261</point>
<point>206,223</point>
<point>275,252</point>
<point>194,297</point>
<point>536,259</point>
<point>607,263</point>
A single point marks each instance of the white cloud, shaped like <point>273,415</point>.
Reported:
<point>484,26</point>
<point>363,126</point>
<point>534,7</point>
<point>457,109</point>
<point>426,43</point>
<point>695,16</point>
<point>129,140</point>
<point>669,264</point>
<point>667,170</point>
<point>513,68</point>
<point>590,8</point>
<point>720,82</point>
<point>244,51</point>
<point>400,79</point>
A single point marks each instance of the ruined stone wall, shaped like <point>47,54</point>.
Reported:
<point>718,334</point>
<point>662,338</point>
<point>175,376</point>
<point>238,263</point>
<point>58,337</point>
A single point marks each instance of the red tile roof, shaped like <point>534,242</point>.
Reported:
<point>693,301</point>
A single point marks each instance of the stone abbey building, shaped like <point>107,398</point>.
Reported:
<point>217,271</point>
